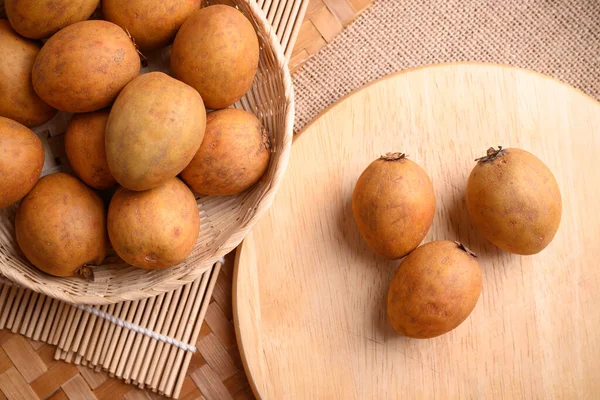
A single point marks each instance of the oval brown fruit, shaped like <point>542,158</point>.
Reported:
<point>154,229</point>
<point>514,201</point>
<point>21,161</point>
<point>216,52</point>
<point>84,66</point>
<point>153,131</point>
<point>39,19</point>
<point>152,23</point>
<point>393,205</point>
<point>61,226</point>
<point>18,100</point>
<point>434,290</point>
<point>86,150</point>
<point>234,154</point>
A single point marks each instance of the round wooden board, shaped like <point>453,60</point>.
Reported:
<point>309,296</point>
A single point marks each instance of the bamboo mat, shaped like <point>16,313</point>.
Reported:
<point>59,331</point>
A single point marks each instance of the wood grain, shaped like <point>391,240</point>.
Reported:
<point>309,296</point>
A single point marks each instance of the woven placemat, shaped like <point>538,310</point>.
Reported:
<point>558,38</point>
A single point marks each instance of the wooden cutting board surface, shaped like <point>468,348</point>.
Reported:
<point>309,296</point>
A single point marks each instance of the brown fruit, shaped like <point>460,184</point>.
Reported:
<point>152,23</point>
<point>393,205</point>
<point>18,100</point>
<point>21,161</point>
<point>153,131</point>
<point>216,52</point>
<point>39,19</point>
<point>434,290</point>
<point>234,154</point>
<point>84,66</point>
<point>514,201</point>
<point>156,228</point>
<point>61,226</point>
<point>85,148</point>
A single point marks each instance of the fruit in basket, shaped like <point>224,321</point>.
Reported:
<point>234,154</point>
<point>156,228</point>
<point>84,66</point>
<point>434,290</point>
<point>21,161</point>
<point>85,148</point>
<point>18,100</point>
<point>61,226</point>
<point>152,23</point>
<point>514,200</point>
<point>154,129</point>
<point>39,19</point>
<point>393,205</point>
<point>216,51</point>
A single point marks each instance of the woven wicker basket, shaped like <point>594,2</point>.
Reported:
<point>224,221</point>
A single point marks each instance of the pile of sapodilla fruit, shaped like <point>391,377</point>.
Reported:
<point>131,131</point>
<point>513,200</point>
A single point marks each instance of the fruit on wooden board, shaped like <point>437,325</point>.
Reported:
<point>39,19</point>
<point>86,151</point>
<point>153,131</point>
<point>21,161</point>
<point>393,205</point>
<point>514,200</point>
<point>216,51</point>
<point>84,66</point>
<point>61,226</point>
<point>434,290</point>
<point>156,228</point>
<point>152,23</point>
<point>234,154</point>
<point>18,100</point>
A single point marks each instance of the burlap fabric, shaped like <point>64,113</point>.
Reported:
<point>560,38</point>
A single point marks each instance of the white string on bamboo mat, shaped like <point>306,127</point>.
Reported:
<point>136,328</point>
<point>139,329</point>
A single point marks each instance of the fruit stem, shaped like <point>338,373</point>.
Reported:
<point>393,156</point>
<point>86,272</point>
<point>465,249</point>
<point>265,139</point>
<point>143,58</point>
<point>492,154</point>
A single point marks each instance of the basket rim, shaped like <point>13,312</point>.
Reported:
<point>192,273</point>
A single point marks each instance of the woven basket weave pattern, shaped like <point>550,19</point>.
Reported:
<point>224,221</point>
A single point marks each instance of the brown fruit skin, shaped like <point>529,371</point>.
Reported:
<point>86,151</point>
<point>154,129</point>
<point>393,205</point>
<point>39,19</point>
<point>21,161</point>
<point>84,66</point>
<point>234,154</point>
<point>154,229</point>
<point>18,100</point>
<point>152,23</point>
<point>434,290</point>
<point>514,201</point>
<point>216,52</point>
<point>61,226</point>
